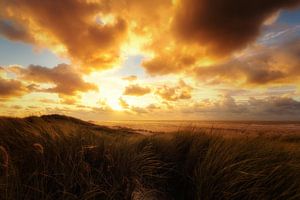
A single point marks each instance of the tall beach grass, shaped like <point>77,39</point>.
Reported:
<point>57,157</point>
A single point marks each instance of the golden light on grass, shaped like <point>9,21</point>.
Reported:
<point>39,148</point>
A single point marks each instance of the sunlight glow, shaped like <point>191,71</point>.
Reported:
<point>115,105</point>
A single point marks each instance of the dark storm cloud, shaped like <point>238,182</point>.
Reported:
<point>223,26</point>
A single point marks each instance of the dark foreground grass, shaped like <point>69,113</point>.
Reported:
<point>55,157</point>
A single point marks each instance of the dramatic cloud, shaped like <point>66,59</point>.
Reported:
<point>65,79</point>
<point>224,26</point>
<point>69,27</point>
<point>136,90</point>
<point>240,73</point>
<point>11,88</point>
<point>179,92</point>
<point>226,50</point>
<point>93,34</point>
<point>14,31</point>
<point>279,64</point>
<point>177,34</point>
<point>209,32</point>
<point>169,62</point>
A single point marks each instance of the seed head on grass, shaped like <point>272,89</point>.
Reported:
<point>39,148</point>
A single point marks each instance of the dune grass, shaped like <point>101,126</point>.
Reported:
<point>56,157</point>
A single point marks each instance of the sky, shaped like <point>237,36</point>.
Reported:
<point>151,59</point>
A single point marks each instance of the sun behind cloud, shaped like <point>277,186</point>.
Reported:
<point>153,59</point>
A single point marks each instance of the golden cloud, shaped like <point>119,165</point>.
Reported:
<point>269,65</point>
<point>180,92</point>
<point>175,35</point>
<point>69,27</point>
<point>130,78</point>
<point>65,79</point>
<point>14,31</point>
<point>205,32</point>
<point>170,61</point>
<point>193,38</point>
<point>136,90</point>
<point>11,88</point>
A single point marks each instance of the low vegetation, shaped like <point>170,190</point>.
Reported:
<point>57,157</point>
